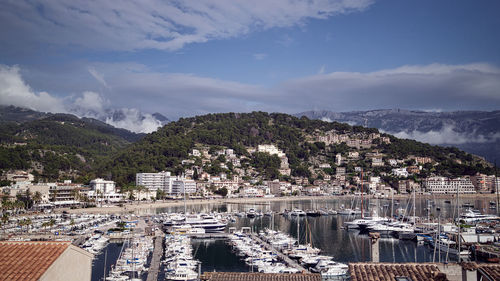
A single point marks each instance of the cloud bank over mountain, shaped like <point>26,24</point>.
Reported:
<point>15,91</point>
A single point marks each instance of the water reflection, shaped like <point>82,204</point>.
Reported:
<point>326,232</point>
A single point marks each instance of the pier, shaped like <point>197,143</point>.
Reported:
<point>155,260</point>
<point>282,256</point>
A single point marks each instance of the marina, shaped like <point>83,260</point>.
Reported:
<point>151,246</point>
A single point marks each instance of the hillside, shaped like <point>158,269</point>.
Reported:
<point>473,131</point>
<point>298,138</point>
<point>56,146</point>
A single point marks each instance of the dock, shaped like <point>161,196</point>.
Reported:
<point>156,258</point>
<point>280,255</point>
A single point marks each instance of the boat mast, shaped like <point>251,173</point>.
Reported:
<point>496,187</point>
<point>458,217</point>
<point>392,204</point>
<point>105,258</point>
<point>185,207</point>
<point>361,192</point>
<point>414,207</point>
<point>298,230</point>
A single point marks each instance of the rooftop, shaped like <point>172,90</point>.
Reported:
<point>491,270</point>
<point>28,260</point>
<point>244,276</point>
<point>394,272</point>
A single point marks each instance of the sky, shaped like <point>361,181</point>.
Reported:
<point>191,57</point>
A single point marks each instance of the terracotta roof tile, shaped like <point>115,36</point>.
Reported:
<point>244,276</point>
<point>389,271</point>
<point>28,260</point>
<point>492,270</point>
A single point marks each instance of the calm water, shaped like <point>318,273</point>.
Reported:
<point>111,254</point>
<point>324,232</point>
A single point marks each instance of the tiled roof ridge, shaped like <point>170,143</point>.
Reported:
<point>28,260</point>
<point>35,242</point>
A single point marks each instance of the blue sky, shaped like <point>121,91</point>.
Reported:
<point>182,58</point>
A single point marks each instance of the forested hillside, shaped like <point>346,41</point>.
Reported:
<point>56,146</point>
<point>166,148</point>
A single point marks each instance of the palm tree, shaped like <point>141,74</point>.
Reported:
<point>44,225</point>
<point>5,219</point>
<point>76,194</point>
<point>37,197</point>
<point>28,199</point>
<point>141,188</point>
<point>53,196</point>
<point>28,224</point>
<point>98,193</point>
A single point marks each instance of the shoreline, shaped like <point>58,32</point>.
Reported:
<point>138,206</point>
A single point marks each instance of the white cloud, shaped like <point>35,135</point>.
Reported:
<point>155,24</point>
<point>447,135</point>
<point>447,87</point>
<point>90,101</point>
<point>259,56</point>
<point>135,121</point>
<point>14,91</point>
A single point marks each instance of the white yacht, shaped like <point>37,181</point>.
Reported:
<point>297,213</point>
<point>472,216</point>
<point>181,274</point>
<point>329,268</point>
<point>207,222</point>
<point>365,222</point>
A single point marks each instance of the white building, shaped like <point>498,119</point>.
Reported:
<point>156,181</point>
<point>252,192</point>
<point>196,153</point>
<point>103,186</point>
<point>400,172</point>
<point>449,186</point>
<point>338,159</point>
<point>271,149</point>
<point>181,185</point>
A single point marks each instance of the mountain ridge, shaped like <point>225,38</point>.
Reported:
<point>477,132</point>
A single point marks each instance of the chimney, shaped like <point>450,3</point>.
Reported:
<point>375,252</point>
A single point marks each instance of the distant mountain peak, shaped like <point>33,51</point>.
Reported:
<point>476,132</point>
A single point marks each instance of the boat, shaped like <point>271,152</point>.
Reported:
<point>468,205</point>
<point>251,213</point>
<point>313,213</point>
<point>209,223</point>
<point>365,222</point>
<point>330,269</point>
<point>450,246</point>
<point>313,260</point>
<point>181,274</point>
<point>473,216</point>
<point>297,213</point>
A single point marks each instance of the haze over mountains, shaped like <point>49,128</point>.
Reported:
<point>477,132</point>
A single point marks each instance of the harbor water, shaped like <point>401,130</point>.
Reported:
<point>324,232</point>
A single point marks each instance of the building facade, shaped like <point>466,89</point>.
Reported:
<point>443,185</point>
